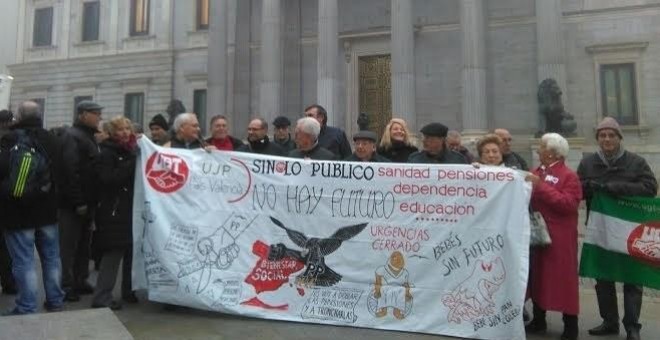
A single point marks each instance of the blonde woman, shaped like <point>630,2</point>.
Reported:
<point>395,144</point>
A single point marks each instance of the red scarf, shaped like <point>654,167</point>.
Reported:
<point>223,144</point>
<point>129,145</point>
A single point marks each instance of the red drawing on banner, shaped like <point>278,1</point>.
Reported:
<point>255,302</point>
<point>269,275</point>
<point>644,243</point>
<point>473,298</point>
<point>166,173</point>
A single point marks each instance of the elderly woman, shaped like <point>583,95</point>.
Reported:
<point>553,283</point>
<point>113,237</point>
<point>395,144</point>
<point>489,149</point>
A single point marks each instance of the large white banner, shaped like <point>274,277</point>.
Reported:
<point>419,248</point>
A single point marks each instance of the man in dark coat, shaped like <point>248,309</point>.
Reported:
<point>365,148</point>
<point>307,134</point>
<point>510,158</point>
<point>186,132</point>
<point>159,130</point>
<point>6,277</point>
<point>32,221</point>
<point>258,141</point>
<point>78,200</point>
<point>281,135</point>
<point>220,137</point>
<point>332,138</point>
<point>435,150</point>
<point>617,172</point>
<point>454,143</point>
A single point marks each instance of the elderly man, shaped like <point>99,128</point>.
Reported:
<point>365,148</point>
<point>158,128</point>
<point>30,219</point>
<point>307,135</point>
<point>79,191</point>
<point>281,135</point>
<point>186,132</point>
<point>220,137</point>
<point>332,138</point>
<point>435,149</point>
<point>510,158</point>
<point>258,141</point>
<point>618,172</point>
<point>454,143</point>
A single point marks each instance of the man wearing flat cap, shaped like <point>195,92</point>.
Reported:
<point>365,148</point>
<point>617,172</point>
<point>435,150</point>
<point>282,136</point>
<point>78,198</point>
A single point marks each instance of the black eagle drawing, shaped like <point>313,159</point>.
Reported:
<point>317,273</point>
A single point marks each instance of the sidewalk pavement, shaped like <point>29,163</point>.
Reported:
<point>147,320</point>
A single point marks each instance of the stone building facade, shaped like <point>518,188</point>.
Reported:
<point>472,64</point>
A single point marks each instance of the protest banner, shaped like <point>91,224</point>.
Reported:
<point>409,247</point>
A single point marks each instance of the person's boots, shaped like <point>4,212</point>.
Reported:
<point>538,323</point>
<point>570,327</point>
<point>633,333</point>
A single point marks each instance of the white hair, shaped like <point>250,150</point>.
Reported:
<point>555,142</point>
<point>454,134</point>
<point>181,119</point>
<point>309,126</point>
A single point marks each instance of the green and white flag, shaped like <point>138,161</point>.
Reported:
<point>623,241</point>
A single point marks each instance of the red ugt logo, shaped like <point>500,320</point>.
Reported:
<point>166,173</point>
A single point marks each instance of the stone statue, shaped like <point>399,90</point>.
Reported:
<point>550,106</point>
<point>173,109</point>
<point>363,121</point>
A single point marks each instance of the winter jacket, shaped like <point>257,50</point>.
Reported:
<point>317,153</point>
<point>630,175</point>
<point>553,283</point>
<point>287,145</point>
<point>514,160</point>
<point>334,140</point>
<point>78,178</point>
<point>114,212</point>
<point>43,210</point>
<point>446,157</point>
<point>375,158</point>
<point>398,152</point>
<point>263,147</point>
<point>176,143</point>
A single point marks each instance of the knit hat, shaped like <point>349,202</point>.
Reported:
<point>609,123</point>
<point>159,120</point>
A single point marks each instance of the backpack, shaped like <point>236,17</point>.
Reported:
<point>29,175</point>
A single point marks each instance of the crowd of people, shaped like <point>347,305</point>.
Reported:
<point>86,210</point>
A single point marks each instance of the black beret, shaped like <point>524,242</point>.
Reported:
<point>365,134</point>
<point>435,130</point>
<point>282,121</point>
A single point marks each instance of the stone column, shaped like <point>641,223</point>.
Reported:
<point>473,28</point>
<point>328,52</point>
<point>271,60</point>
<point>403,63</point>
<point>550,46</point>
<point>216,94</point>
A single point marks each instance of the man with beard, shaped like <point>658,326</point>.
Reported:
<point>258,141</point>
